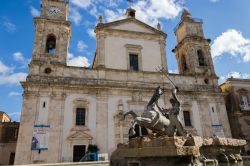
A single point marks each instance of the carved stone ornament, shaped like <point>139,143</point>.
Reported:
<point>80,135</point>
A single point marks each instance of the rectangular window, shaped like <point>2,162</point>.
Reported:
<point>80,116</point>
<point>244,102</point>
<point>12,158</point>
<point>187,119</point>
<point>133,62</point>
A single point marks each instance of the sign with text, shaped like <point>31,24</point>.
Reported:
<point>40,137</point>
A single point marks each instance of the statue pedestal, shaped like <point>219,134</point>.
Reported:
<point>172,151</point>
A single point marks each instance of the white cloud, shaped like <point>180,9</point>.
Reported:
<point>149,11</point>
<point>113,3</point>
<point>81,46</point>
<point>231,42</point>
<point>34,12</point>
<point>79,61</point>
<point>12,79</point>
<point>70,55</point>
<point>9,26</point>
<point>91,32</point>
<point>111,15</point>
<point>173,71</point>
<point>93,11</point>
<point>15,116</point>
<point>4,69</point>
<point>7,77</point>
<point>18,56</point>
<point>75,16</point>
<point>14,94</point>
<point>81,3</point>
<point>235,74</point>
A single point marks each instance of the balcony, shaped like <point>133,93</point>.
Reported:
<point>245,107</point>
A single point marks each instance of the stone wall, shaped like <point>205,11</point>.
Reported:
<point>238,111</point>
<point>5,152</point>
<point>100,163</point>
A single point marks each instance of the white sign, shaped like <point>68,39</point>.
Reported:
<point>40,137</point>
<point>218,130</point>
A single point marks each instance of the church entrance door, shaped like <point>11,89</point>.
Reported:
<point>79,152</point>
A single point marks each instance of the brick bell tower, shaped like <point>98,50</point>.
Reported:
<point>193,50</point>
<point>52,35</point>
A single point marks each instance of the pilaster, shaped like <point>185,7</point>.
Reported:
<point>163,53</point>
<point>102,120</point>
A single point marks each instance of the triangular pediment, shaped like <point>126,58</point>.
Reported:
<point>132,24</point>
<point>80,135</point>
<point>242,90</point>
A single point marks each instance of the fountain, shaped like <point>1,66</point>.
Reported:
<point>169,144</point>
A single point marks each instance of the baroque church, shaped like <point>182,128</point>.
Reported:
<point>67,108</point>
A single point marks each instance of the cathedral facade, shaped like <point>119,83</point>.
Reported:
<point>67,108</point>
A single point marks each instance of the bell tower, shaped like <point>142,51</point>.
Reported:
<point>52,33</point>
<point>193,50</point>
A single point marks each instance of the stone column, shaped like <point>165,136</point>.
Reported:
<point>102,121</point>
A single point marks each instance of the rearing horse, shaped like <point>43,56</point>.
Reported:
<point>152,118</point>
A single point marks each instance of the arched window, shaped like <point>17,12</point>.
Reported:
<point>184,63</point>
<point>201,58</point>
<point>51,44</point>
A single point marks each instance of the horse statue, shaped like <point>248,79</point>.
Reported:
<point>162,122</point>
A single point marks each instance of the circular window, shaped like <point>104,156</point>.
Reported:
<point>47,70</point>
<point>206,81</point>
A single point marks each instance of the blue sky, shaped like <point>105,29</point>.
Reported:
<point>226,23</point>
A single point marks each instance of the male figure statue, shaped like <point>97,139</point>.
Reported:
<point>175,127</point>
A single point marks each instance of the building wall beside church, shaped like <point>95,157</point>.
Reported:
<point>237,97</point>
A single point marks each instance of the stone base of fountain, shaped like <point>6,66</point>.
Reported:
<point>177,151</point>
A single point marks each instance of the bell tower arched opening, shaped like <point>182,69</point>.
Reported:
<point>184,64</point>
<point>51,44</point>
<point>201,58</point>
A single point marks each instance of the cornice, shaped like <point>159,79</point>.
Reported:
<point>39,19</point>
<point>83,83</point>
<point>187,39</point>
